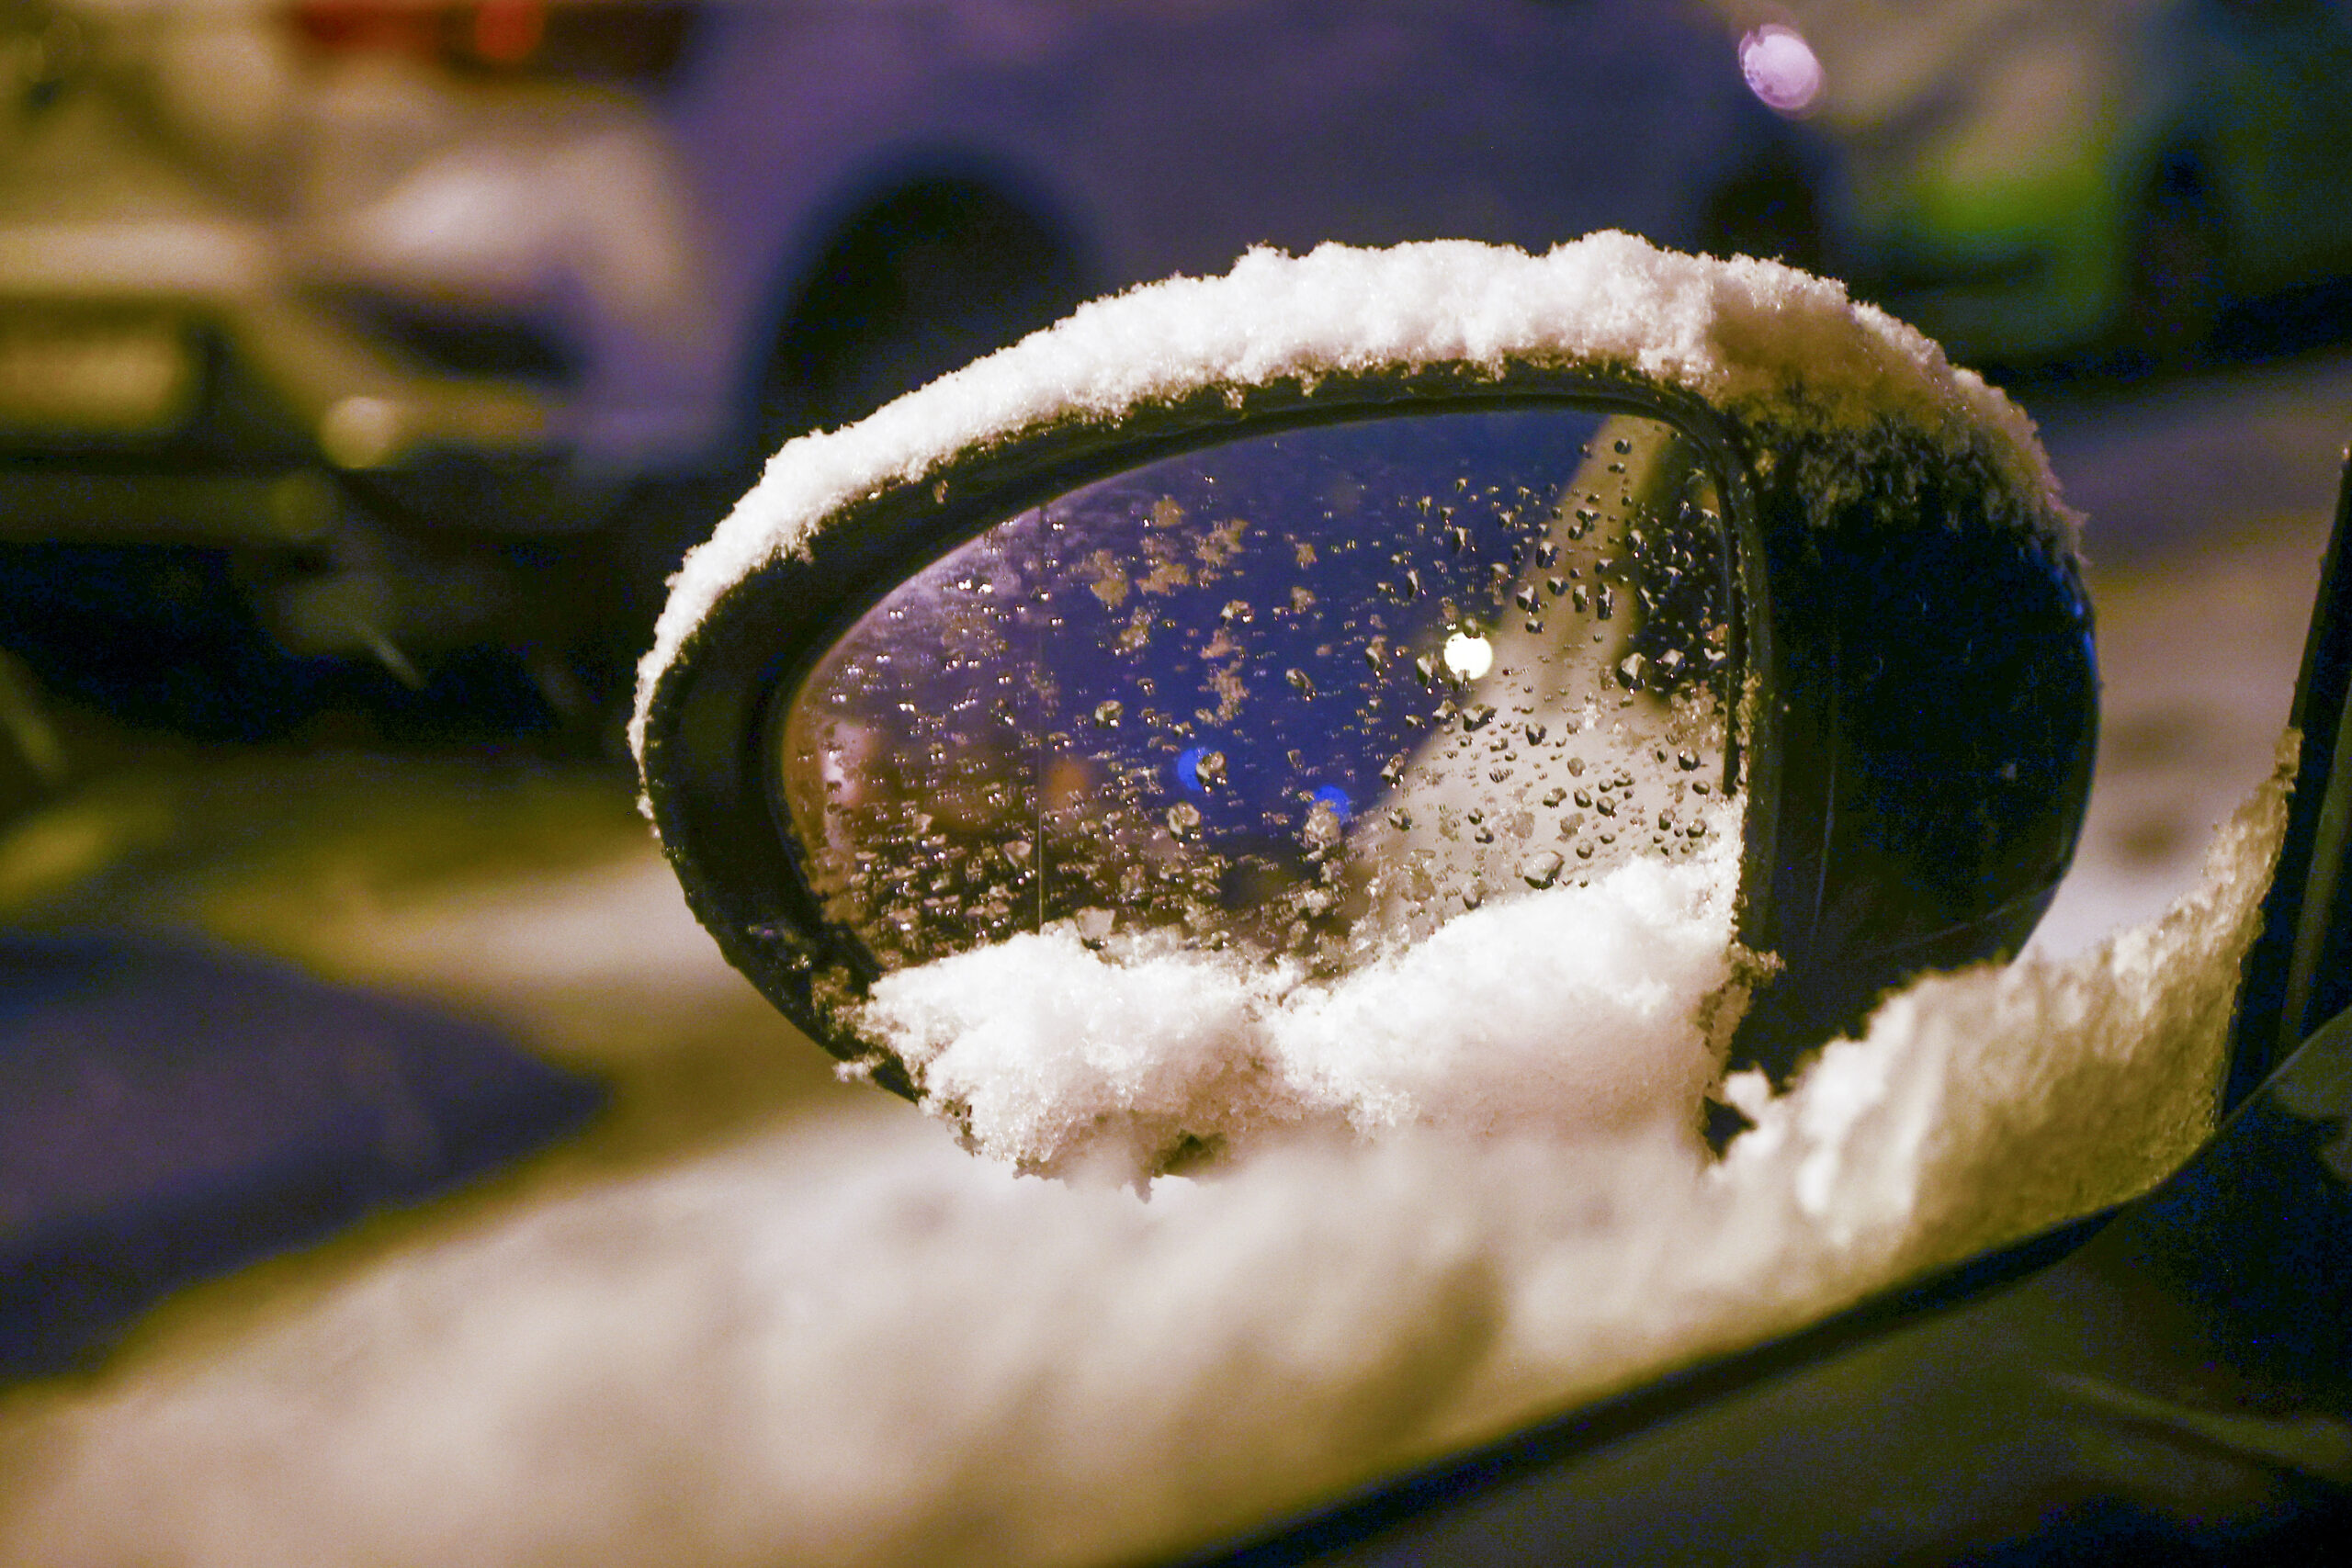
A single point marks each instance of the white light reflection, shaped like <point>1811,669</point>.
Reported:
<point>1469,655</point>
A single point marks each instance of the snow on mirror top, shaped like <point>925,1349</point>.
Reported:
<point>1304,697</point>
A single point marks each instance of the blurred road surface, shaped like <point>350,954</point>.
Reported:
<point>2210,500</point>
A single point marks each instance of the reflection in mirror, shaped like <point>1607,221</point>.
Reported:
<point>1306,694</point>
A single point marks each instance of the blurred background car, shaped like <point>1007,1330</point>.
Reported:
<point>2096,178</point>
<point>395,350</point>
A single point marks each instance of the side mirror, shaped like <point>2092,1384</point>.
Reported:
<point>1290,614</point>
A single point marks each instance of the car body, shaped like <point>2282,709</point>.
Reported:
<point>2033,181</point>
<point>405,310</point>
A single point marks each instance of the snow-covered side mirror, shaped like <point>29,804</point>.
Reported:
<point>1293,613</point>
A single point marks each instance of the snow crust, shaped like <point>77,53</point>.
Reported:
<point>860,1345</point>
<point>1754,337</point>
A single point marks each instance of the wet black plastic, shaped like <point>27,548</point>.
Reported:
<point>1937,702</point>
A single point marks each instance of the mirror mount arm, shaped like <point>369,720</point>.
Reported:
<point>2299,973</point>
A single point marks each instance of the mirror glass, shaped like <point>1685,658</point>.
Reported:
<point>1307,694</point>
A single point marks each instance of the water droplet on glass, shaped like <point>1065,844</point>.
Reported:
<point>1183,818</point>
<point>1541,870</point>
<point>1108,714</point>
<point>1630,669</point>
<point>1300,680</point>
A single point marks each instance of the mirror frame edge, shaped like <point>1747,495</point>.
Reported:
<point>707,705</point>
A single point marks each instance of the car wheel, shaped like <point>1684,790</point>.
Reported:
<point>2173,291</point>
<point>943,272</point>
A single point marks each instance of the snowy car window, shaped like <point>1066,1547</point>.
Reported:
<point>1306,694</point>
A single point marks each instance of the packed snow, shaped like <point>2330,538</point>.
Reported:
<point>858,1344</point>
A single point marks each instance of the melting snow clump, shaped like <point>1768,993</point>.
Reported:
<point>1573,1011</point>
